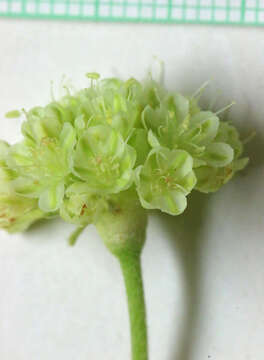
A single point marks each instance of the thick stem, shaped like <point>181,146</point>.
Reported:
<point>131,269</point>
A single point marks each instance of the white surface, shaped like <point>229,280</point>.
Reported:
<point>203,271</point>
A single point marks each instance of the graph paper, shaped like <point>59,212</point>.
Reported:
<point>240,12</point>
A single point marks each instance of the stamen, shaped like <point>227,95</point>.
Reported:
<point>201,89</point>
<point>250,136</point>
<point>225,108</point>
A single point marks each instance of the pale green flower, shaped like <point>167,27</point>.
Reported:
<point>211,178</point>
<point>80,209</point>
<point>80,206</point>
<point>43,169</point>
<point>104,161</point>
<point>165,180</point>
<point>42,123</point>
<point>109,102</point>
<point>16,212</point>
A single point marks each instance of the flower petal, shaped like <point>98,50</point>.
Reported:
<point>27,187</point>
<point>218,154</point>
<point>152,139</point>
<point>203,128</point>
<point>67,138</point>
<point>181,107</point>
<point>51,199</point>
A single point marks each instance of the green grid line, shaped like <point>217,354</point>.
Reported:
<point>243,10</point>
<point>184,6</point>
<point>233,12</point>
<point>213,10</point>
<point>228,10</point>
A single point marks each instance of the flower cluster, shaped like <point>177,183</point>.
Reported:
<point>115,138</point>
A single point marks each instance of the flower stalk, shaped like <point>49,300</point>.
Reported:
<point>131,269</point>
<point>123,230</point>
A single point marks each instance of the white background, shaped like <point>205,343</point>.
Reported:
<point>203,270</point>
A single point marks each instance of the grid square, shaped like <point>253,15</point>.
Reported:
<point>205,14</point>
<point>104,10</point>
<point>161,13</point>
<point>44,8</point>
<point>235,3</point>
<point>220,15</point>
<point>206,2</point>
<point>220,3</point>
<point>31,8</point>
<point>88,10</point>
<point>191,2</point>
<point>161,2</point>
<point>250,16</point>
<point>146,12</point>
<point>15,7</point>
<point>191,14</point>
<point>3,6</point>
<point>177,14</point>
<point>178,2</point>
<point>59,9</point>
<point>251,4</point>
<point>132,11</point>
<point>261,16</point>
<point>117,10</point>
<point>234,15</point>
<point>261,4</point>
<point>74,9</point>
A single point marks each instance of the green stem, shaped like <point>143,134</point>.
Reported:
<point>74,236</point>
<point>131,269</point>
<point>123,230</point>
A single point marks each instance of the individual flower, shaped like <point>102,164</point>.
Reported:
<point>81,208</point>
<point>44,122</point>
<point>110,102</point>
<point>43,169</point>
<point>165,180</point>
<point>104,161</point>
<point>211,178</point>
<point>16,212</point>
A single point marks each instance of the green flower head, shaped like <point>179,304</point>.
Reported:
<point>109,141</point>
